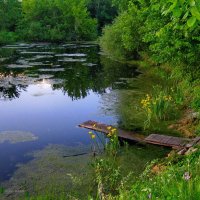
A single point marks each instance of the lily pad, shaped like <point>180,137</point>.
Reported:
<point>72,60</point>
<point>3,59</point>
<point>89,64</point>
<point>71,55</point>
<point>37,53</point>
<point>52,70</point>
<point>19,66</point>
<point>16,136</point>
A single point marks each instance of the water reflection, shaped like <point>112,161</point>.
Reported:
<point>75,70</point>
<point>49,89</point>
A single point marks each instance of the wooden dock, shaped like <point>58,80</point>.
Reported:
<point>168,141</point>
<point>156,139</point>
<point>103,128</point>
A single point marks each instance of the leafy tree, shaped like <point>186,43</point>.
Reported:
<point>123,38</point>
<point>103,10</point>
<point>56,20</point>
<point>170,27</point>
<point>10,13</point>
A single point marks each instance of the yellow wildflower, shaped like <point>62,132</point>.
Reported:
<point>109,127</point>
<point>90,132</point>
<point>110,134</point>
<point>93,136</point>
<point>114,130</point>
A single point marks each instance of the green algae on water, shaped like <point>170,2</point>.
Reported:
<point>16,136</point>
<point>52,175</point>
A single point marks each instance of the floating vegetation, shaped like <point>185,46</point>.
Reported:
<point>19,66</point>
<point>71,55</point>
<point>16,137</point>
<point>89,64</point>
<point>53,172</point>
<point>37,53</point>
<point>72,60</point>
<point>3,59</point>
<point>52,70</point>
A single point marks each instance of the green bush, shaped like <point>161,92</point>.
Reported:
<point>56,21</point>
<point>7,37</point>
<point>118,39</point>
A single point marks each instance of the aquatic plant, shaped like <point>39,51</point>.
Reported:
<point>107,171</point>
<point>161,104</point>
<point>113,145</point>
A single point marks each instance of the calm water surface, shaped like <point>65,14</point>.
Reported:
<point>49,89</point>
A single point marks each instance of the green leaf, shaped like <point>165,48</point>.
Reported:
<point>186,15</point>
<point>191,21</point>
<point>177,12</point>
<point>195,12</point>
<point>192,2</point>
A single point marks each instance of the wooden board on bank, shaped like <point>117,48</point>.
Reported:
<point>169,141</point>
<point>156,139</point>
<point>103,128</point>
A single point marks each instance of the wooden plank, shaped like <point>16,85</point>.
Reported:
<point>193,142</point>
<point>164,140</point>
<point>122,134</point>
<point>156,139</point>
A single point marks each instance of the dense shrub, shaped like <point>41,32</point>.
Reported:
<point>7,37</point>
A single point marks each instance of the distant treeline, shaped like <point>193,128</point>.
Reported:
<point>54,20</point>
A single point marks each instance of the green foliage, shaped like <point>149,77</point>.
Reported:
<point>168,31</point>
<point>103,11</point>
<point>119,38</point>
<point>179,181</point>
<point>7,37</point>
<point>159,26</point>
<point>10,13</point>
<point>56,20</point>
<point>121,5</point>
<point>161,105</point>
<point>107,176</point>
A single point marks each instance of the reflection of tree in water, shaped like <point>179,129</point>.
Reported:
<point>9,87</point>
<point>116,74</point>
<point>10,92</point>
<point>77,79</point>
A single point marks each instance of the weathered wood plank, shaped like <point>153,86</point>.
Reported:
<point>164,140</point>
<point>156,139</point>
<point>126,135</point>
<point>193,142</point>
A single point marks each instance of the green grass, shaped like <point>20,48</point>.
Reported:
<point>179,181</point>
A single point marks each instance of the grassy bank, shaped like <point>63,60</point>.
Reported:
<point>173,177</point>
<point>167,104</point>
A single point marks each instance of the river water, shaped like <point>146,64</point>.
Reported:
<point>47,90</point>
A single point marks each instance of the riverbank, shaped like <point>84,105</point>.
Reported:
<point>130,90</point>
<point>61,80</point>
<point>176,176</point>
